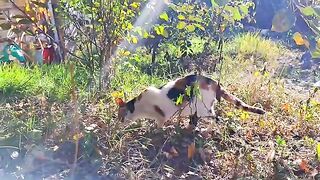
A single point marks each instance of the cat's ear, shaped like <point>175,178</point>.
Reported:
<point>120,102</point>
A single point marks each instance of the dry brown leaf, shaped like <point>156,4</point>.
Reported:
<point>249,135</point>
<point>304,166</point>
<point>297,37</point>
<point>191,150</point>
<point>286,107</point>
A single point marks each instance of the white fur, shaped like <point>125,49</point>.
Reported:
<point>144,108</point>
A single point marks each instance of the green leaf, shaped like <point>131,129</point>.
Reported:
<point>15,30</point>
<point>179,99</point>
<point>160,30</point>
<point>24,21</point>
<point>191,27</point>
<point>5,26</point>
<point>164,16</point>
<point>181,17</point>
<point>244,9</point>
<point>134,5</point>
<point>280,141</point>
<point>181,25</point>
<point>129,26</point>
<point>165,34</point>
<point>188,91</point>
<point>196,91</point>
<point>316,53</point>
<point>194,18</point>
<point>19,16</point>
<point>318,151</point>
<point>145,34</point>
<point>308,11</point>
<point>200,27</point>
<point>235,12</point>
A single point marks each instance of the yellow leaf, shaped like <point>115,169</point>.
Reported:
<point>318,151</point>
<point>27,7</point>
<point>126,53</point>
<point>262,124</point>
<point>181,25</point>
<point>297,37</point>
<point>286,107</point>
<point>77,136</point>
<point>134,40</point>
<point>257,73</point>
<point>191,150</point>
<point>116,94</point>
<point>244,116</point>
<point>230,114</point>
<point>135,5</point>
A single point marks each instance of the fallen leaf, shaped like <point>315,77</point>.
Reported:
<point>304,166</point>
<point>244,116</point>
<point>286,107</point>
<point>249,135</point>
<point>191,150</point>
<point>256,74</point>
<point>297,37</point>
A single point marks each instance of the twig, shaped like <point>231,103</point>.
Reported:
<point>9,147</point>
<point>75,119</point>
<point>154,160</point>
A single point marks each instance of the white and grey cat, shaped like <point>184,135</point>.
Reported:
<point>161,105</point>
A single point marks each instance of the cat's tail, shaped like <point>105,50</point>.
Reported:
<point>236,101</point>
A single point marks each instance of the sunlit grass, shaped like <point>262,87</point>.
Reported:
<point>253,44</point>
<point>50,81</point>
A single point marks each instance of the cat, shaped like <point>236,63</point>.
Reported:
<point>179,97</point>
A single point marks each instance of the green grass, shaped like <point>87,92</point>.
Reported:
<point>50,81</point>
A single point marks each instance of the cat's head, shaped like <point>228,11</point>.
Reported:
<point>122,109</point>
